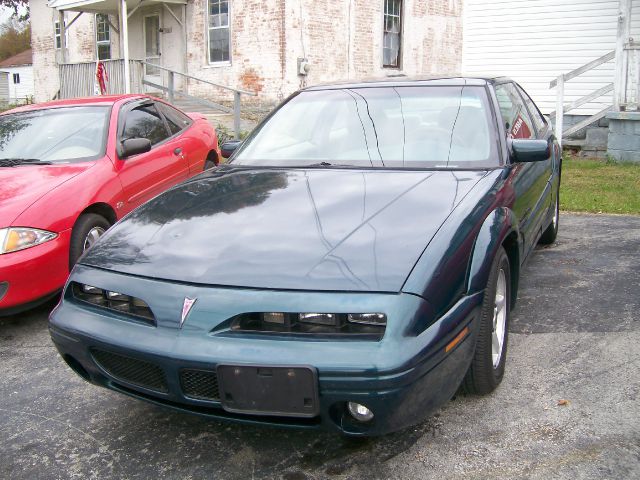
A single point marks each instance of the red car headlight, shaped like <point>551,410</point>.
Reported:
<point>13,239</point>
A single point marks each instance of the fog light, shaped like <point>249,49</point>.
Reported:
<point>359,412</point>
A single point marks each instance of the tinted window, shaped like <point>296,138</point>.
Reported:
<point>145,122</point>
<point>538,119</point>
<point>55,135</point>
<point>517,121</point>
<point>176,120</point>
<point>438,126</point>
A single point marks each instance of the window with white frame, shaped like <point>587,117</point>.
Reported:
<point>218,31</point>
<point>16,78</point>
<point>392,36</point>
<point>103,37</point>
<point>57,37</point>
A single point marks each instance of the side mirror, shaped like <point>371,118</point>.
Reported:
<point>134,146</point>
<point>228,147</point>
<point>525,151</point>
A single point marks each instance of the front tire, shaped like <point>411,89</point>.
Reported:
<point>88,228</point>
<point>487,367</point>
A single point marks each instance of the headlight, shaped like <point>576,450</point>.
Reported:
<point>113,301</point>
<point>362,325</point>
<point>13,239</point>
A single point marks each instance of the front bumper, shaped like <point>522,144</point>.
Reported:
<point>34,274</point>
<point>401,378</point>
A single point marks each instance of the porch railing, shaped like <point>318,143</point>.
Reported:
<point>79,79</point>
<point>562,108</point>
<point>169,87</point>
<point>630,87</point>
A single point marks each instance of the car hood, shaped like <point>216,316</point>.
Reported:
<point>308,229</point>
<point>21,186</point>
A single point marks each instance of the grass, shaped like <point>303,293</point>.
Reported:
<point>600,186</point>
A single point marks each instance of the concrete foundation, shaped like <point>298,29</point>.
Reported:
<point>623,143</point>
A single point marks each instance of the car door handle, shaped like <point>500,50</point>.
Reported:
<point>177,151</point>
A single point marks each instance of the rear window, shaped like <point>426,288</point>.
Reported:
<point>176,120</point>
<point>421,127</point>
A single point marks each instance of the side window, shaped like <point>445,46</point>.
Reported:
<point>145,122</point>
<point>538,119</point>
<point>517,121</point>
<point>176,120</point>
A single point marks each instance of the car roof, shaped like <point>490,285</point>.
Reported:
<point>74,102</point>
<point>403,80</point>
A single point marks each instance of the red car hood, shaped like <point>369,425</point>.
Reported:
<point>21,186</point>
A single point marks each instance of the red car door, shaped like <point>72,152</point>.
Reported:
<point>145,175</point>
<point>192,138</point>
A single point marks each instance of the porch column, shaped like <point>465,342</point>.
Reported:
<point>63,36</point>
<point>624,31</point>
<point>125,45</point>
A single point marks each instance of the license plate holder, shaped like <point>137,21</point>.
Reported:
<point>269,390</point>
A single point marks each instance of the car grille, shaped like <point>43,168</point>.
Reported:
<point>199,384</point>
<point>131,370</point>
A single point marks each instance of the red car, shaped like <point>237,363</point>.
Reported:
<point>70,169</point>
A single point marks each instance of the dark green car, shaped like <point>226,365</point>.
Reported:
<point>349,268</point>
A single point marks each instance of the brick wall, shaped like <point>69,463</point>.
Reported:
<point>342,39</point>
<point>45,70</point>
<point>80,41</point>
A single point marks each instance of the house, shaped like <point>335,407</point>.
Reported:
<point>578,55</point>
<point>270,48</point>
<point>20,77</point>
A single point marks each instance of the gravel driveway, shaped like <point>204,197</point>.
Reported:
<point>574,339</point>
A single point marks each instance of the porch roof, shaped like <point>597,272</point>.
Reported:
<point>103,6</point>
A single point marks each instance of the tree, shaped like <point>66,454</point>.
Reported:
<point>20,8</point>
<point>15,37</point>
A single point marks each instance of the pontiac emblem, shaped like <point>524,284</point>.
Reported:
<point>186,308</point>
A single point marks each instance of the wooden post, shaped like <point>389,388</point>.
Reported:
<point>559,108</point>
<point>63,37</point>
<point>236,114</point>
<point>623,33</point>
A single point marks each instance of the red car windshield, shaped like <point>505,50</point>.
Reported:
<point>55,135</point>
<point>404,126</point>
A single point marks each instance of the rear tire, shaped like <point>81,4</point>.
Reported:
<point>550,234</point>
<point>88,228</point>
<point>487,367</point>
<point>211,161</point>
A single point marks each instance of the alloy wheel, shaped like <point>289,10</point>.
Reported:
<point>499,319</point>
<point>92,237</point>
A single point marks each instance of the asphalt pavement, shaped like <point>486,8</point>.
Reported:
<point>568,407</point>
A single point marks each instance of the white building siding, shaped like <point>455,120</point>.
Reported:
<point>4,87</point>
<point>535,41</point>
<point>24,89</point>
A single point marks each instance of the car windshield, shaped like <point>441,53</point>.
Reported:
<point>55,135</point>
<point>402,126</point>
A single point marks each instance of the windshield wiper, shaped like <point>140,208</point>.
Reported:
<point>13,162</point>
<point>327,164</point>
